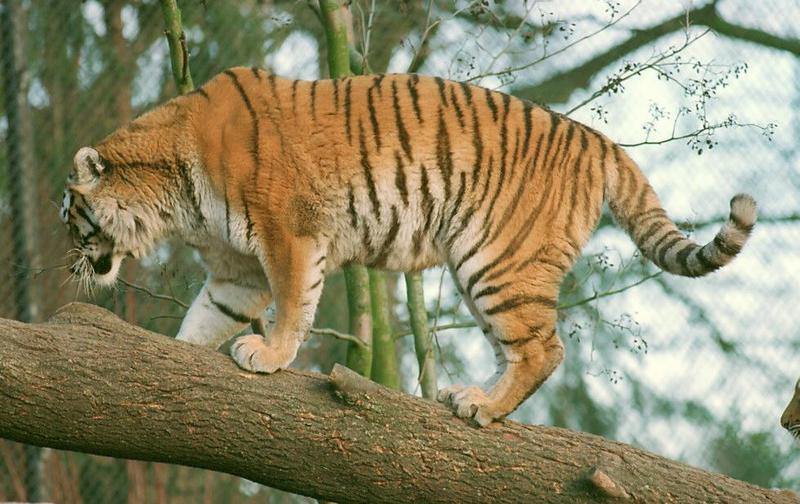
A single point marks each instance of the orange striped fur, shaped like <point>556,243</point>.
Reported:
<point>277,182</point>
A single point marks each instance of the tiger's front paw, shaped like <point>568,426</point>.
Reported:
<point>252,353</point>
<point>469,402</point>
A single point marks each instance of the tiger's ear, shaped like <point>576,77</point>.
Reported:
<point>86,171</point>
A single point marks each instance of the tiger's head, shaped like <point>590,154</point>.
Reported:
<point>113,211</point>
<point>791,415</point>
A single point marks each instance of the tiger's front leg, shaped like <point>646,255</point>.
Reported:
<point>295,268</point>
<point>220,310</point>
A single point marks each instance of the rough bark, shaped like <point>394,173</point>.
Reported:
<point>88,381</point>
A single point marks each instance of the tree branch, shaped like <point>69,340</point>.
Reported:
<point>558,88</point>
<point>88,381</point>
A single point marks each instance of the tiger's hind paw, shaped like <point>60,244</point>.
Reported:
<point>469,402</point>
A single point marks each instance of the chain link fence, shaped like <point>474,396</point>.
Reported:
<point>694,370</point>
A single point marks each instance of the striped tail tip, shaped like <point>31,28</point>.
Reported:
<point>743,213</point>
<point>729,241</point>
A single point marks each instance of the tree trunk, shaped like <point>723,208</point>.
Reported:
<point>88,381</point>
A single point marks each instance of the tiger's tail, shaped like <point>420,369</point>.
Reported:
<point>637,209</point>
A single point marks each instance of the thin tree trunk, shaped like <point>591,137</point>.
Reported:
<point>418,320</point>
<point>335,19</point>
<point>385,369</point>
<point>178,50</point>
<point>88,381</point>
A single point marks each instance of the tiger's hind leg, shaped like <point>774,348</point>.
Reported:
<point>520,310</point>
<point>447,394</point>
<point>295,267</point>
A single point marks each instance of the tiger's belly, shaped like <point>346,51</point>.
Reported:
<point>401,241</point>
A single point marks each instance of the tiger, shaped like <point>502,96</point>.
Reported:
<point>278,182</point>
<point>790,419</point>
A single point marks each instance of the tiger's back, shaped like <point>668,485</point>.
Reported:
<point>403,172</point>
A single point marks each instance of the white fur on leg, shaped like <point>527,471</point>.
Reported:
<point>219,311</point>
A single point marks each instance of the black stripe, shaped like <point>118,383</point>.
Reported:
<point>373,116</point>
<point>402,133</point>
<point>199,91</point>
<point>518,342</point>
<point>351,207</point>
<point>527,112</point>
<point>671,233</point>
<point>427,198</point>
<point>727,248</point>
<point>652,230</point>
<point>462,183</point>
<point>465,220</point>
<point>477,144</point>
<point>242,94</point>
<point>521,300</point>
<point>682,257</point>
<point>467,90</point>
<point>376,83</point>
<point>315,284</point>
<point>488,179</point>
<point>666,247</point>
<point>255,149</point>
<point>417,241</point>
<point>706,263</point>
<point>228,311</point>
<point>190,192</point>
<point>314,99</point>
<point>491,103</point>
<point>653,213</point>
<point>336,94</point>
<point>555,122</point>
<point>440,85</point>
<point>443,154</point>
<point>367,242</point>
<point>272,85</point>
<point>502,167</point>
<point>320,260</point>
<point>457,107</point>
<point>489,291</point>
<point>575,181</point>
<point>515,157</point>
<point>367,171</point>
<point>294,96</point>
<point>247,217</point>
<point>412,90</point>
<point>386,248</point>
<point>255,73</point>
<point>227,203</point>
<point>348,92</point>
<point>400,178</point>
<point>82,212</point>
<point>475,248</point>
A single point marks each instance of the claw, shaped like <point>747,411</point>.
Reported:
<point>253,354</point>
<point>469,402</point>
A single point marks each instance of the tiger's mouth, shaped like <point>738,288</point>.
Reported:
<point>794,430</point>
<point>102,265</point>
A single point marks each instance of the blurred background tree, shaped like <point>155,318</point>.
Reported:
<point>697,371</point>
